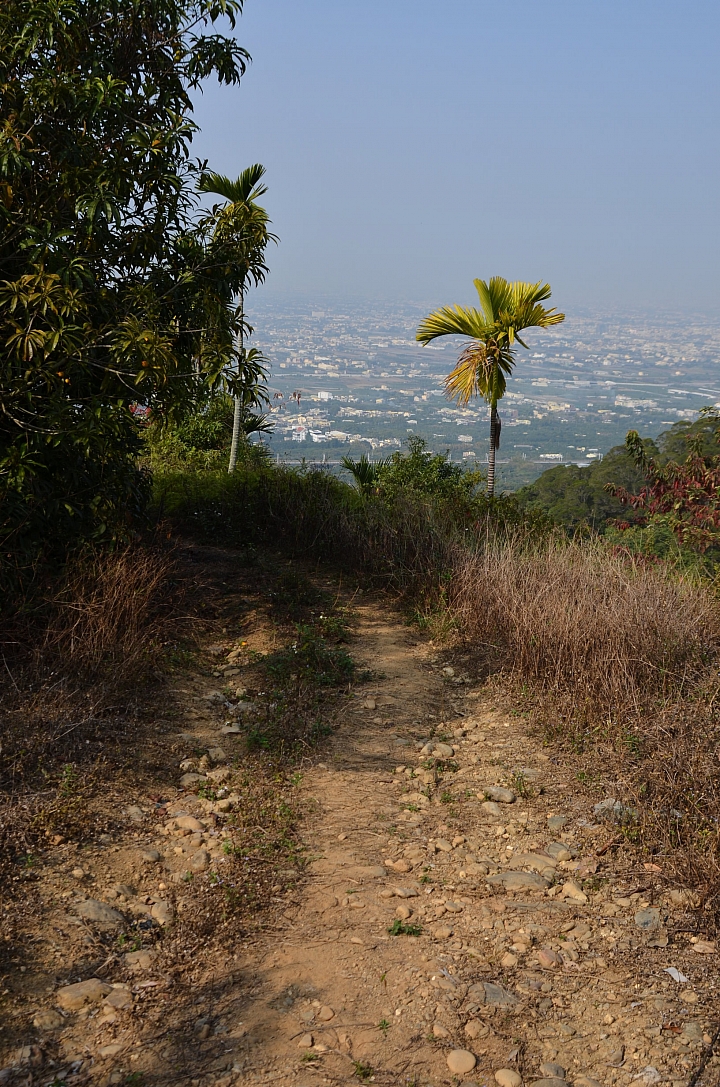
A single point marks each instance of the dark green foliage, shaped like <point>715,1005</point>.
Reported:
<point>402,928</point>
<point>576,497</point>
<point>112,290</point>
<point>407,542</point>
<point>421,472</point>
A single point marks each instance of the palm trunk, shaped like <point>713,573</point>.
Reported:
<point>238,413</point>
<point>494,444</point>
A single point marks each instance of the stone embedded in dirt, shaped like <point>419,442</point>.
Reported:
<point>647,920</point>
<point>216,754</point>
<point>48,1020</point>
<point>403,912</point>
<point>442,845</point>
<point>556,822</point>
<point>486,992</point>
<point>78,873</point>
<point>500,795</point>
<point>325,1014</point>
<point>460,1061</point>
<point>305,1041</point>
<point>549,1081</point>
<point>110,1050</point>
<point>120,997</point>
<point>454,907</point>
<point>508,961</point>
<point>369,704</point>
<point>548,958</point>
<point>231,730</point>
<point>574,892</point>
<point>689,997</point>
<point>439,1031</point>
<point>150,856</point>
<point>519,881</point>
<point>188,780</point>
<point>508,1077</point>
<point>189,822</point>
<point>614,811</point>
<point>704,947</point>
<point>200,860</point>
<point>549,1068</point>
<point>223,805</point>
<point>475,1029</point>
<point>405,892</point>
<point>221,774</point>
<point>137,961</point>
<point>443,932</point>
<point>372,871</point>
<point>443,751</point>
<point>490,807</point>
<point>163,913</point>
<point>73,997</point>
<point>586,1081</point>
<point>92,910</point>
<point>538,861</point>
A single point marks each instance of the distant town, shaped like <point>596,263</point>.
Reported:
<point>352,379</point>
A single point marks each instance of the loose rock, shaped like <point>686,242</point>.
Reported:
<point>500,795</point>
<point>461,1061</point>
<point>163,913</point>
<point>73,997</point>
<point>92,910</point>
<point>519,881</point>
<point>508,1077</point>
<point>48,1020</point>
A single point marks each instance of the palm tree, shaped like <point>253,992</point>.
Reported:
<point>488,360</point>
<point>247,223</point>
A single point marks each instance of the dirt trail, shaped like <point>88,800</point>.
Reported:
<point>534,942</point>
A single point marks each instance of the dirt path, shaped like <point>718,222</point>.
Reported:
<point>528,939</point>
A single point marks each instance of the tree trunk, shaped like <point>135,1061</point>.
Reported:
<point>494,444</point>
<point>238,413</point>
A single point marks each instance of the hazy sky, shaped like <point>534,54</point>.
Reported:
<point>412,146</point>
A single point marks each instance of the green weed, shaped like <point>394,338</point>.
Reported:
<point>401,928</point>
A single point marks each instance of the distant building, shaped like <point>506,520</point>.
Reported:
<point>299,433</point>
<point>551,456</point>
<point>465,437</point>
<point>325,396</point>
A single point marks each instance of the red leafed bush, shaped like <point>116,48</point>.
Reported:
<point>685,497</point>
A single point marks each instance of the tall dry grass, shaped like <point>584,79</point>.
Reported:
<point>619,659</point>
<point>575,617</point>
<point>73,664</point>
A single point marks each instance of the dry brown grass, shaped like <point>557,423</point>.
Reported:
<point>577,618</point>
<point>72,668</point>
<point>618,659</point>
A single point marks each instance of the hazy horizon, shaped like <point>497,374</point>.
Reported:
<point>412,147</point>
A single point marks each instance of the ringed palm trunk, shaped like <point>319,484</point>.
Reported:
<point>494,444</point>
<point>238,412</point>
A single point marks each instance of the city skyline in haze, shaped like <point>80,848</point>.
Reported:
<point>411,147</point>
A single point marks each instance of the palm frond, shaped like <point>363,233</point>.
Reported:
<point>479,372</point>
<point>453,321</point>
<point>243,190</point>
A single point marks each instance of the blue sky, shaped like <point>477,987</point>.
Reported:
<point>411,146</point>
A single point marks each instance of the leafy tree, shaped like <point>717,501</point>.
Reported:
<point>421,472</point>
<point>506,309</point>
<point>247,223</point>
<point>113,288</point>
<point>577,497</point>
